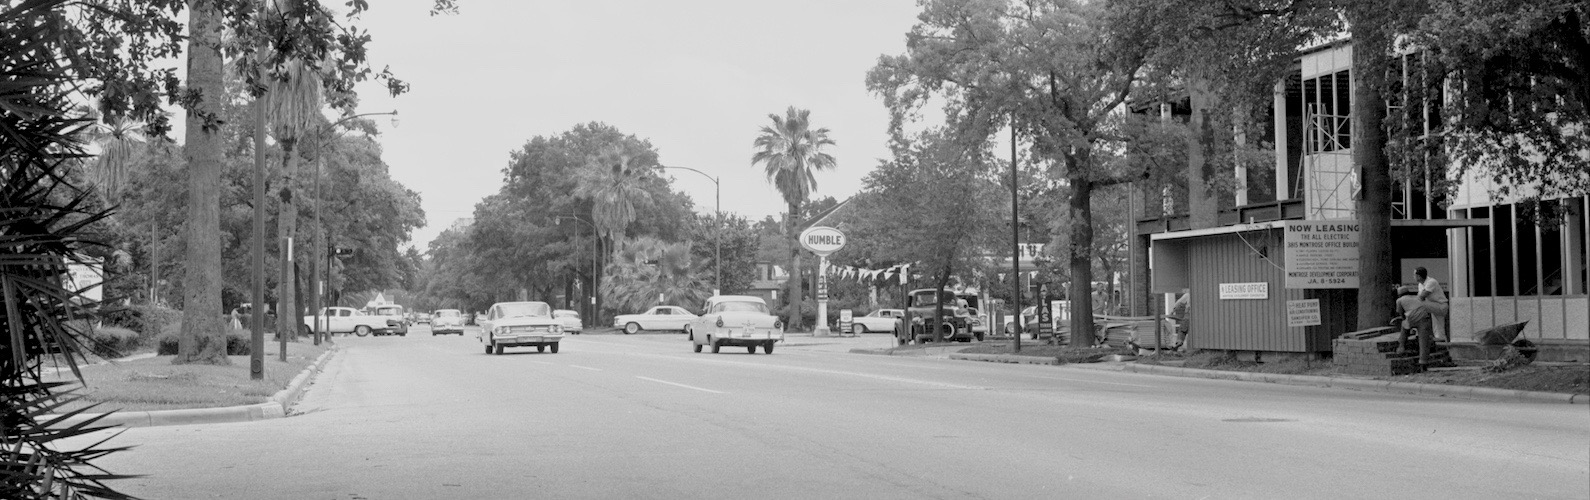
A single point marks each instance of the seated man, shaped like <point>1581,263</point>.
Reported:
<point>1415,317</point>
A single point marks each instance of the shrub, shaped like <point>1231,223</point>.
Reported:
<point>237,343</point>
<point>149,321</point>
<point>115,341</point>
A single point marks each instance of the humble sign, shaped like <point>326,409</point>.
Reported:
<point>822,240</point>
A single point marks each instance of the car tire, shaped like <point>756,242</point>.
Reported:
<point>498,348</point>
<point>768,348</point>
<point>714,345</point>
<point>697,346</point>
<point>631,328</point>
<point>554,348</point>
<point>488,348</point>
<point>979,337</point>
<point>541,348</point>
<point>361,330</point>
<point>750,349</point>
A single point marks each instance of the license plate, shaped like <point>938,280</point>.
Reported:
<point>529,339</point>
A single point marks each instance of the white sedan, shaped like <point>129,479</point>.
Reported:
<point>882,320</point>
<point>656,318</point>
<point>571,320</point>
<point>736,320</point>
<point>516,324</point>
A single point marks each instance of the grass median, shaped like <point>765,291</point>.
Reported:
<point>153,383</point>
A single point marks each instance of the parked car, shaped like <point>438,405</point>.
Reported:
<point>345,320</point>
<point>881,320</point>
<point>736,320</point>
<point>519,324</point>
<point>1029,321</point>
<point>955,325</point>
<point>419,317</point>
<point>446,321</point>
<point>571,320</point>
<point>397,323</point>
<point>656,318</point>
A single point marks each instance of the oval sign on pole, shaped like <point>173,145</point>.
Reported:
<point>822,240</point>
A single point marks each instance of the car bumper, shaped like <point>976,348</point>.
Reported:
<point>536,339</point>
<point>752,335</point>
<point>580,328</point>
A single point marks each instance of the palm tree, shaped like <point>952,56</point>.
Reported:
<point>293,106</point>
<point>612,182</point>
<point>649,268</point>
<point>791,153</point>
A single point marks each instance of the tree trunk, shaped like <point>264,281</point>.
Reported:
<point>1202,207</point>
<point>1080,255</point>
<point>203,339</point>
<point>287,313</point>
<point>1375,272</point>
<point>793,290</point>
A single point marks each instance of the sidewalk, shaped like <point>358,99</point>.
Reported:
<point>277,407</point>
<point>1344,382</point>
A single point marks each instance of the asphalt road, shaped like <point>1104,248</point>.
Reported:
<point>615,416</point>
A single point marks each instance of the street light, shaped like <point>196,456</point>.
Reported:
<point>717,236</point>
<point>558,219</point>
<point>315,271</point>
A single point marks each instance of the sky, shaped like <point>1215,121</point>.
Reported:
<point>697,78</point>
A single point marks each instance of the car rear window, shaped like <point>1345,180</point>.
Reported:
<point>757,307</point>
<point>447,313</point>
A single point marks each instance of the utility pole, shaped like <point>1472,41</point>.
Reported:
<point>256,355</point>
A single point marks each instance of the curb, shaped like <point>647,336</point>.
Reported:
<point>277,407</point>
<point>1438,390</point>
<point>926,351</point>
<point>1009,358</point>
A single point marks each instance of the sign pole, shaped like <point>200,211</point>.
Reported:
<point>822,241</point>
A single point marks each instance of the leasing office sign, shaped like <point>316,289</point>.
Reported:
<point>1321,254</point>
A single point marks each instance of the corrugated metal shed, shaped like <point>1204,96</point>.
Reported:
<point>1250,254</point>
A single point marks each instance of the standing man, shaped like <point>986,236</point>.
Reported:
<point>1434,300</point>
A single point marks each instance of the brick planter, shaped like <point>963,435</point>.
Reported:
<point>1380,356</point>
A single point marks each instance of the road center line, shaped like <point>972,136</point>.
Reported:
<point>587,368</point>
<point>676,384</point>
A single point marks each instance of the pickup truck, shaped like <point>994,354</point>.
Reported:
<point>346,320</point>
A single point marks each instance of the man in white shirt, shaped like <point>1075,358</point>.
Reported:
<point>1435,301</point>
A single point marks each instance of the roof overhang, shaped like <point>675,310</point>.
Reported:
<point>1239,228</point>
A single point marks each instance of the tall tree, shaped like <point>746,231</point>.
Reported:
<point>1046,64</point>
<point>932,207</point>
<point>791,153</point>
<point>201,340</point>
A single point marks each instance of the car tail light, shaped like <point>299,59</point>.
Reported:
<point>778,325</point>
<point>720,321</point>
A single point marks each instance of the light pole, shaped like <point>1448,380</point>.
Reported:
<point>558,219</point>
<point>320,233</point>
<point>717,244</point>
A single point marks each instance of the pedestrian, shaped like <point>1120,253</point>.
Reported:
<point>1181,311</point>
<point>1414,317</point>
<point>1435,301</point>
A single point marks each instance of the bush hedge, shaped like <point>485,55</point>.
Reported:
<point>114,341</point>
<point>237,343</point>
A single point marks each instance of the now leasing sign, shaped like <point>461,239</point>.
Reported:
<point>1321,254</point>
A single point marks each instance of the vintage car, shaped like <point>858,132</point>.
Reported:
<point>656,318</point>
<point>571,320</point>
<point>954,325</point>
<point>445,321</point>
<point>397,323</point>
<point>736,320</point>
<point>336,320</point>
<point>882,320</point>
<point>520,324</point>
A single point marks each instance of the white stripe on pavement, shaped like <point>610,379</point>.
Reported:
<point>676,384</point>
<point>587,368</point>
